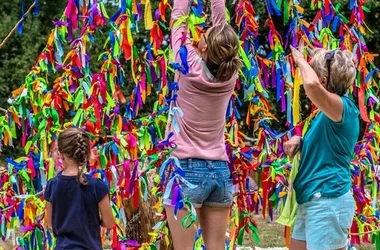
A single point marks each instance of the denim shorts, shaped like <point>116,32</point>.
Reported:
<point>324,223</point>
<point>213,183</point>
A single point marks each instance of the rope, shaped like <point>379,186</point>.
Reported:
<point>17,24</point>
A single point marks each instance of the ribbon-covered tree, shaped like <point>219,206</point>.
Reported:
<point>66,88</point>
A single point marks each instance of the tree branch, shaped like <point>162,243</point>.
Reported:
<point>17,24</point>
<point>4,110</point>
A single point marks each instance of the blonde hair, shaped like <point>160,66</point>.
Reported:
<point>222,52</point>
<point>342,69</point>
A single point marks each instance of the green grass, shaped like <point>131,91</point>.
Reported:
<point>272,235</point>
<point>366,247</point>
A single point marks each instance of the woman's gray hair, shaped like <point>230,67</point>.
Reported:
<point>342,69</point>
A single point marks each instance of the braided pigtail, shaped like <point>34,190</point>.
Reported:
<point>75,143</point>
<point>82,150</point>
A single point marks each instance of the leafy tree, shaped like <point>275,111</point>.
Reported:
<point>19,53</point>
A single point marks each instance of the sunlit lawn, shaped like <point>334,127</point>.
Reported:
<point>272,235</point>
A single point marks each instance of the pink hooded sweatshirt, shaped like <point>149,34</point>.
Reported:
<point>201,98</point>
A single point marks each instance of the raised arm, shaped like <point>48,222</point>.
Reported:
<point>218,12</point>
<point>329,103</point>
<point>180,10</point>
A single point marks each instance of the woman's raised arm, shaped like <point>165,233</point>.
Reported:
<point>180,30</point>
<point>329,103</point>
<point>218,11</point>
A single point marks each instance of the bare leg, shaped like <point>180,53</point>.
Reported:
<point>214,226</point>
<point>183,239</point>
<point>297,245</point>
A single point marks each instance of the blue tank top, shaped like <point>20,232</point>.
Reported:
<point>75,216</point>
<point>326,154</point>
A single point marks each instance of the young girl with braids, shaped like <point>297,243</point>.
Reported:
<point>203,97</point>
<point>77,204</point>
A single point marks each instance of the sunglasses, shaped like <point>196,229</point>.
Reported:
<point>329,57</point>
<point>206,27</point>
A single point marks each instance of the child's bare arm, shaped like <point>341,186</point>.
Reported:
<point>48,215</point>
<point>107,219</point>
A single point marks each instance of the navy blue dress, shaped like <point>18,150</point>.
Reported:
<point>76,217</point>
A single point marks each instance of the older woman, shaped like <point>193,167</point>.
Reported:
<point>323,183</point>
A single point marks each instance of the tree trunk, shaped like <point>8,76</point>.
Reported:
<point>141,221</point>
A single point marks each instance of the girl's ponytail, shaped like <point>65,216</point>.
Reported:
<point>81,177</point>
<point>227,69</point>
<point>222,52</point>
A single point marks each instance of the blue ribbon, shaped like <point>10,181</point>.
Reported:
<point>173,86</point>
<point>23,16</point>
<point>116,16</point>
<point>20,210</point>
<point>183,54</point>
<point>153,135</point>
<point>36,8</point>
<point>199,9</point>
<point>370,75</point>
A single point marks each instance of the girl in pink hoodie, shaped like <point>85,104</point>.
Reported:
<point>203,96</point>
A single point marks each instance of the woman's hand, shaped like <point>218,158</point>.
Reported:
<point>298,53</point>
<point>292,146</point>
